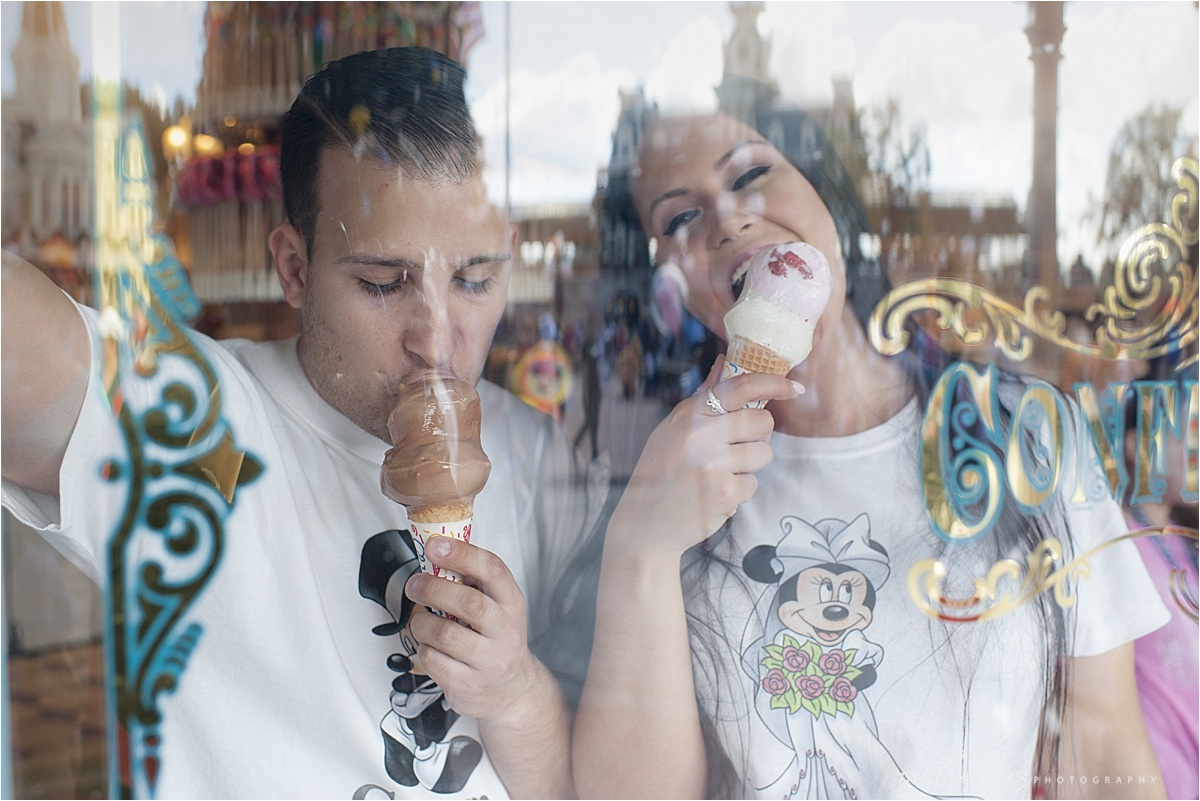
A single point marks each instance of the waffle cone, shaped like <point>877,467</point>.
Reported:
<point>443,513</point>
<point>754,358</point>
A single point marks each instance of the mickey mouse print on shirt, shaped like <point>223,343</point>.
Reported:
<point>415,750</point>
<point>813,664</point>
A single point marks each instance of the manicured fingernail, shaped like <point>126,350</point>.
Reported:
<point>438,546</point>
<point>799,387</point>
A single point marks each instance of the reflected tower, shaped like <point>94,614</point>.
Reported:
<point>1045,31</point>
<point>746,84</point>
<point>46,149</point>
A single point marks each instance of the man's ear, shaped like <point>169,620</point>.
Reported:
<point>514,240</point>
<point>290,253</point>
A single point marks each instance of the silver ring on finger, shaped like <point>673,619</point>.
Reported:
<point>715,404</point>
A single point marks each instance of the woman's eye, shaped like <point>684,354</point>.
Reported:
<point>380,290</point>
<point>749,176</point>
<point>825,593</point>
<point>845,592</point>
<point>680,220</point>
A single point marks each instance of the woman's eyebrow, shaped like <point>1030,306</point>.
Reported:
<point>721,162</point>
<point>670,193</point>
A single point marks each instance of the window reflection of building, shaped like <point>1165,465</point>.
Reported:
<point>52,611</point>
<point>746,84</point>
<point>976,236</point>
<point>556,251</point>
<point>1045,32</point>
<point>981,237</point>
<point>47,190</point>
<point>555,270</point>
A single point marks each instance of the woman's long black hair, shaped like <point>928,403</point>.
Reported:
<point>800,139</point>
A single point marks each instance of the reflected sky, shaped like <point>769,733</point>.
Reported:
<point>961,69</point>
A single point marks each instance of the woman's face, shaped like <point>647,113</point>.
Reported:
<point>711,191</point>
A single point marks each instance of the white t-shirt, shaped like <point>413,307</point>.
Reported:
<point>819,690</point>
<point>291,678</point>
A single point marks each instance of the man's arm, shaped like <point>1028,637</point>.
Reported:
<point>46,358</point>
<point>1104,736</point>
<point>484,666</point>
<point>531,747</point>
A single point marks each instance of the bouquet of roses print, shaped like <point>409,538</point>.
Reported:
<point>810,678</point>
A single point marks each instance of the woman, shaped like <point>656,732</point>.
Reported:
<point>754,635</point>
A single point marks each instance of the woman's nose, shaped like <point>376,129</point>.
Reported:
<point>729,220</point>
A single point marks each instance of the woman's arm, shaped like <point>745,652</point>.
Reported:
<point>637,730</point>
<point>1104,738</point>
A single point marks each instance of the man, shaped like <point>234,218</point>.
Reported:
<point>400,268</point>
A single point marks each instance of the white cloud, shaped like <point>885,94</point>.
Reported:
<point>690,68</point>
<point>562,120</point>
<point>535,181</point>
<point>561,123</point>
<point>971,89</point>
<point>1117,60</point>
<point>807,48</point>
<point>968,82</point>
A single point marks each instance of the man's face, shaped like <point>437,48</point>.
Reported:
<point>406,279</point>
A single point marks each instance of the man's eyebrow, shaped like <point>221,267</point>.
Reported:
<point>721,162</point>
<point>487,258</point>
<point>378,260</point>
<point>396,263</point>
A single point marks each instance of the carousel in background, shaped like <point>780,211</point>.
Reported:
<point>224,157</point>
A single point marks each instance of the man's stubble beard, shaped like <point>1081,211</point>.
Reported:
<point>321,363</point>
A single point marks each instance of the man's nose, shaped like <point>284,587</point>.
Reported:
<point>730,220</point>
<point>429,336</point>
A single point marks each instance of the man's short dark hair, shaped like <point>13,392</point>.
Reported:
<point>402,106</point>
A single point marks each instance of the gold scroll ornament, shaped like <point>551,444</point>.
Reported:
<point>1152,273</point>
<point>1008,584</point>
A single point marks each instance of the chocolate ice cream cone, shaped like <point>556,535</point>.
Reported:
<point>452,520</point>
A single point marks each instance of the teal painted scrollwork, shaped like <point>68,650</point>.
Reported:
<point>179,468</point>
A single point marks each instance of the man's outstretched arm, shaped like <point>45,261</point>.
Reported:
<point>46,358</point>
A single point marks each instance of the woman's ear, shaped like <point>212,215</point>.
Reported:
<point>290,253</point>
